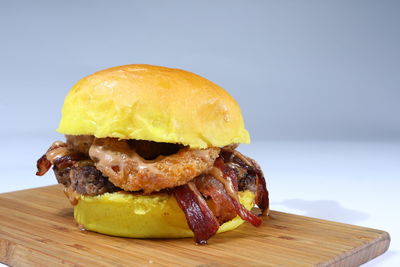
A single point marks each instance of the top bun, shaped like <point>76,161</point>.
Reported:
<point>153,103</point>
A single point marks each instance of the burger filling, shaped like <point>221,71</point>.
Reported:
<point>91,166</point>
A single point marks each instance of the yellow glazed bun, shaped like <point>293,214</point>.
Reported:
<point>153,103</point>
<point>139,216</point>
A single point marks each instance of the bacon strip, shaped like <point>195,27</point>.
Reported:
<point>221,206</point>
<point>200,218</point>
<point>57,155</point>
<point>229,180</point>
<point>43,165</point>
<point>262,198</point>
<point>67,160</point>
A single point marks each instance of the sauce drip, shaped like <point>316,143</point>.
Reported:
<point>72,196</point>
<point>110,158</point>
<point>230,189</point>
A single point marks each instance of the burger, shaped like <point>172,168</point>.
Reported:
<point>151,152</point>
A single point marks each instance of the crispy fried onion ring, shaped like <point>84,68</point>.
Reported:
<point>129,171</point>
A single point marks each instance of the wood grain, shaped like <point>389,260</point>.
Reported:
<point>37,228</point>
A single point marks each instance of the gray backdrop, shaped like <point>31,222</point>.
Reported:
<point>299,69</point>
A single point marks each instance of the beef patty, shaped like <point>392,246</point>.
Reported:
<point>85,180</point>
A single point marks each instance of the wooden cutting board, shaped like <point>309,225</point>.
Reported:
<point>37,228</point>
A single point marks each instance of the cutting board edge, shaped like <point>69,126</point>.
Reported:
<point>373,249</point>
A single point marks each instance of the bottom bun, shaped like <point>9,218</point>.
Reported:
<point>139,216</point>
